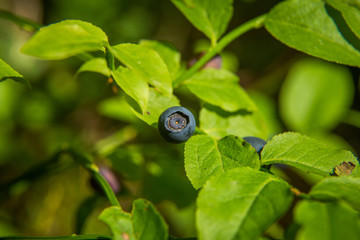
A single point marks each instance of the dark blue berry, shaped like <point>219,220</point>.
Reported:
<point>176,124</point>
<point>256,142</point>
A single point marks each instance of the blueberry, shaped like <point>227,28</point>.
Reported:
<point>256,142</point>
<point>176,124</point>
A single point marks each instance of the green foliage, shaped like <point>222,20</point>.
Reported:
<point>65,39</point>
<point>8,72</point>
<point>304,153</point>
<point>97,65</point>
<point>241,204</point>
<point>306,26</point>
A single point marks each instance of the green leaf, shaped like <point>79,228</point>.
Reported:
<point>157,103</point>
<point>64,39</point>
<point>350,11</point>
<point>304,153</point>
<point>147,63</point>
<point>206,157</point>
<point>209,17</point>
<point>345,188</point>
<point>241,204</point>
<point>307,102</point>
<point>220,88</point>
<point>167,52</point>
<point>142,224</point>
<point>8,72</point>
<point>219,123</point>
<point>306,26</point>
<point>326,221</point>
<point>133,84</point>
<point>97,65</point>
<point>116,108</point>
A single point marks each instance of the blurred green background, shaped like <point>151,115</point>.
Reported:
<point>293,92</point>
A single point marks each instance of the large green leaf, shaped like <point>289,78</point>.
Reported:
<point>345,188</point>
<point>241,204</point>
<point>220,88</point>
<point>209,17</point>
<point>350,10</point>
<point>326,221</point>
<point>64,39</point>
<point>144,223</point>
<point>316,96</point>
<point>7,72</point>
<point>133,84</point>
<point>219,123</point>
<point>147,63</point>
<point>167,52</point>
<point>97,65</point>
<point>304,153</point>
<point>206,157</point>
<point>306,26</point>
<point>157,103</point>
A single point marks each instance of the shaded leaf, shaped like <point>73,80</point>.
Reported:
<point>206,157</point>
<point>219,88</point>
<point>7,72</point>
<point>304,153</point>
<point>241,204</point>
<point>326,221</point>
<point>97,65</point>
<point>64,39</point>
<point>306,26</point>
<point>147,63</point>
<point>209,17</point>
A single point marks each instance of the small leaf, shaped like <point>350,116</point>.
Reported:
<point>220,88</point>
<point>209,17</point>
<point>147,63</point>
<point>345,188</point>
<point>97,65</point>
<point>240,204</point>
<point>307,101</point>
<point>304,153</point>
<point>306,26</point>
<point>133,84</point>
<point>157,103</point>
<point>350,11</point>
<point>143,223</point>
<point>64,39</point>
<point>8,72</point>
<point>206,157</point>
<point>167,52</point>
<point>219,123</point>
<point>326,221</point>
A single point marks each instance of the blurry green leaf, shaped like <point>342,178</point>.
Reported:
<point>304,153</point>
<point>350,10</point>
<point>156,105</point>
<point>345,188</point>
<point>116,108</point>
<point>316,96</point>
<point>84,210</point>
<point>147,63</point>
<point>64,39</point>
<point>167,52</point>
<point>143,223</point>
<point>209,17</point>
<point>128,162</point>
<point>8,72</point>
<point>206,157</point>
<point>306,26</point>
<point>356,172</point>
<point>219,123</point>
<point>219,88</point>
<point>97,65</point>
<point>241,204</point>
<point>326,221</point>
<point>133,84</point>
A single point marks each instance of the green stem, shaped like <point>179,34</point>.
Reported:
<point>23,23</point>
<point>255,23</point>
<point>353,118</point>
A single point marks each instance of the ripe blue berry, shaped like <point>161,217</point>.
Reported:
<point>176,124</point>
<point>256,142</point>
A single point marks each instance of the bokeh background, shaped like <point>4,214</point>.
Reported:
<point>292,90</point>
